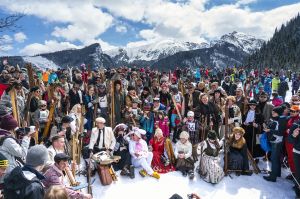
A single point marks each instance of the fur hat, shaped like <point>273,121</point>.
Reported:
<point>184,135</point>
<point>37,155</point>
<point>239,130</point>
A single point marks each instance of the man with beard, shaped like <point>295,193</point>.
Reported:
<point>191,99</point>
<point>241,100</point>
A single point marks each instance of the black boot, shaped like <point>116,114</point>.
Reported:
<point>191,174</point>
<point>269,178</point>
<point>131,172</point>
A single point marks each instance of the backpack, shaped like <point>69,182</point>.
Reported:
<point>16,185</point>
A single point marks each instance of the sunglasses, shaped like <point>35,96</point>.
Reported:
<point>294,111</point>
<point>262,97</point>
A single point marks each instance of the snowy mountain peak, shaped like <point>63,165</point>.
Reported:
<point>241,40</point>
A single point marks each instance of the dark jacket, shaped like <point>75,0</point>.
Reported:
<point>292,139</point>
<point>23,185</point>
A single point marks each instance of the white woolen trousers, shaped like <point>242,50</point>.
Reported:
<point>145,163</point>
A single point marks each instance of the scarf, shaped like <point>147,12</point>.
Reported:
<point>34,171</point>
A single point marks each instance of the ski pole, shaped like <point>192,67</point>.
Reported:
<point>290,172</point>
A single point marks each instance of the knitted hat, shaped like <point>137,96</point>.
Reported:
<point>3,161</point>
<point>295,108</point>
<point>8,123</point>
<point>212,135</point>
<point>278,110</point>
<point>37,155</point>
<point>184,135</point>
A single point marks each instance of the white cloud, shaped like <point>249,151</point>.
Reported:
<point>6,47</point>
<point>48,46</point>
<point>245,2</point>
<point>82,20</point>
<point>121,29</point>
<point>5,39</point>
<point>20,37</point>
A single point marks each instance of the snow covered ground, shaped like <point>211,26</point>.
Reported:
<point>234,187</point>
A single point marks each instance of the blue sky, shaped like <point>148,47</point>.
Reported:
<point>56,25</point>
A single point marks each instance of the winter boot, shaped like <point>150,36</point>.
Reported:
<point>131,172</point>
<point>269,178</point>
<point>191,174</point>
<point>184,173</point>
<point>143,173</point>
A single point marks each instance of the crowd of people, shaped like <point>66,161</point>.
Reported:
<point>184,120</point>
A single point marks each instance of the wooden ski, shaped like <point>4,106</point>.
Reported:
<point>226,137</point>
<point>50,119</point>
<point>14,103</point>
<point>253,163</point>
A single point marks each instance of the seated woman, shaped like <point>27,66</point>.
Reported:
<point>209,166</point>
<point>140,156</point>
<point>183,155</point>
<point>162,153</point>
<point>237,154</point>
<point>121,149</point>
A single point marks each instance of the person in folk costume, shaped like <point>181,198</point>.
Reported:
<point>102,139</point>
<point>208,115</point>
<point>54,176</point>
<point>124,81</point>
<point>146,97</point>
<point>192,126</point>
<point>165,96</point>
<point>133,113</point>
<point>75,94</point>
<point>158,145</point>
<point>155,88</point>
<point>201,87</point>
<point>237,152</point>
<point>119,102</point>
<point>147,121</point>
<point>275,130</point>
<point>63,129</point>
<point>133,78</point>
<point>210,168</point>
<point>57,146</point>
<point>162,122</point>
<point>294,118</point>
<point>89,101</point>
<point>102,101</point>
<point>174,81</point>
<point>140,155</point>
<point>265,107</point>
<point>20,94</point>
<point>234,114</point>
<point>294,139</point>
<point>41,116</point>
<point>241,100</point>
<point>191,99</point>
<point>139,86</point>
<point>183,152</point>
<point>175,122</point>
<point>122,149</point>
<point>34,102</point>
<point>131,95</point>
<point>157,106</point>
<point>226,85</point>
<point>252,123</point>
<point>218,98</point>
